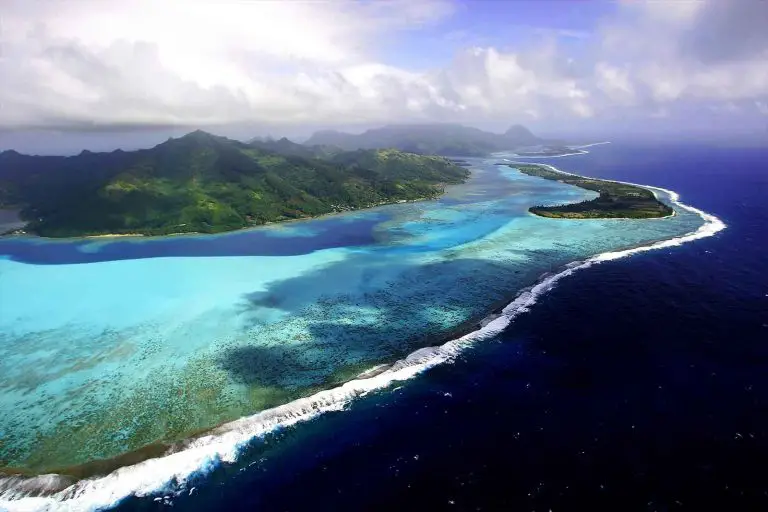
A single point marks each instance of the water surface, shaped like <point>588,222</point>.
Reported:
<point>639,384</point>
<point>109,345</point>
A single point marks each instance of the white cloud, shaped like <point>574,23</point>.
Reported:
<point>615,83</point>
<point>683,50</point>
<point>197,62</point>
<point>200,62</point>
<point>727,108</point>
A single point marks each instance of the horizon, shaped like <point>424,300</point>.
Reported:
<point>376,254</point>
<point>67,144</point>
<point>648,70</point>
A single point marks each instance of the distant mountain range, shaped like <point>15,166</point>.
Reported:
<point>206,183</point>
<point>430,139</point>
<point>289,148</point>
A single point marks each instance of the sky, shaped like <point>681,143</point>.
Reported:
<point>101,74</point>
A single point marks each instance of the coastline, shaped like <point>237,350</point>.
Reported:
<point>591,144</point>
<point>237,230</point>
<point>649,188</point>
<point>109,235</point>
<point>68,475</point>
<point>578,149</point>
<point>223,443</point>
<point>10,221</point>
<point>605,218</point>
<point>552,156</point>
<point>674,196</point>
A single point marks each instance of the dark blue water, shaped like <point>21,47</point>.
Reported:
<point>334,232</point>
<point>286,239</point>
<point>637,384</point>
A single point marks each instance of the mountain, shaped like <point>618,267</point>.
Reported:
<point>332,138</point>
<point>521,135</point>
<point>435,139</point>
<point>205,183</point>
<point>288,148</point>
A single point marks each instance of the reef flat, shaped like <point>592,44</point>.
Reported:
<point>131,344</point>
<point>615,200</point>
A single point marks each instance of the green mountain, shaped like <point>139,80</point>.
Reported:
<point>430,139</point>
<point>288,148</point>
<point>205,183</point>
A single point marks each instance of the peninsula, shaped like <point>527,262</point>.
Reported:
<point>616,200</point>
<point>203,183</point>
<point>549,151</point>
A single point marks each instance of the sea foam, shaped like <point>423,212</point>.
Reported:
<point>170,474</point>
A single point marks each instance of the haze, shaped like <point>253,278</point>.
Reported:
<point>105,74</point>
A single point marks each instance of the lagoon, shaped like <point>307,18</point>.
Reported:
<point>108,346</point>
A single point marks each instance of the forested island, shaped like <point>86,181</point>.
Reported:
<point>204,183</point>
<point>549,151</point>
<point>616,200</point>
<point>430,139</point>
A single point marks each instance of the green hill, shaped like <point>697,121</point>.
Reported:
<point>205,183</point>
<point>429,139</point>
<point>616,200</point>
<point>289,148</point>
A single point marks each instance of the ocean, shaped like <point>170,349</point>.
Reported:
<point>633,383</point>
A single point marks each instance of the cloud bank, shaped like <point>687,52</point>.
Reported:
<point>138,63</point>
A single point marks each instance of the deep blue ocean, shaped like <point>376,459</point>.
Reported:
<point>636,384</point>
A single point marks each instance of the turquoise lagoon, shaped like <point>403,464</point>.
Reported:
<point>108,346</point>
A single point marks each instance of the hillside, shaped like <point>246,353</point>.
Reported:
<point>430,139</point>
<point>616,200</point>
<point>288,148</point>
<point>205,183</point>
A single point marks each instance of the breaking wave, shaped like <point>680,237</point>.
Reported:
<point>170,474</point>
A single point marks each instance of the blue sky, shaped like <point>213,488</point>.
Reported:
<point>497,23</point>
<point>109,73</point>
<point>506,25</point>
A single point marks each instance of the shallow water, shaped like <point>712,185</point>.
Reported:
<point>110,345</point>
<point>638,384</point>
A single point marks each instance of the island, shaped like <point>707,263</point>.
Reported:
<point>549,151</point>
<point>616,200</point>
<point>203,183</point>
<point>447,139</point>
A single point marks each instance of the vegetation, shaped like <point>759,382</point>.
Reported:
<point>429,139</point>
<point>288,148</point>
<point>549,151</point>
<point>616,200</point>
<point>207,184</point>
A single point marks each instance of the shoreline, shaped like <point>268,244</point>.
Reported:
<point>10,235</point>
<point>649,188</point>
<point>204,452</point>
<point>70,475</point>
<point>673,196</point>
<point>605,218</point>
<point>590,145</point>
<point>552,156</point>
<point>108,235</point>
<point>579,151</point>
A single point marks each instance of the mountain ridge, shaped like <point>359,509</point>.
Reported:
<point>206,183</point>
<point>447,139</point>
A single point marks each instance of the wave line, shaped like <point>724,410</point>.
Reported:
<point>170,473</point>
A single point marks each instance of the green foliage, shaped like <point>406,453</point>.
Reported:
<point>289,148</point>
<point>207,184</point>
<point>428,139</point>
<point>616,200</point>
